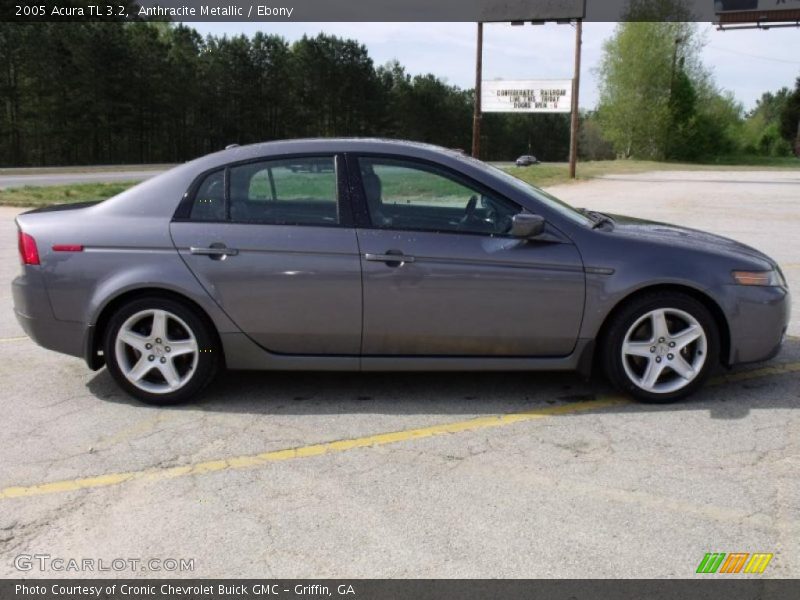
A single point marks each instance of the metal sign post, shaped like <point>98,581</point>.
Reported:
<point>476,117</point>
<point>576,86</point>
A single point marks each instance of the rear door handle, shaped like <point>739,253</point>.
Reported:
<point>390,258</point>
<point>214,251</point>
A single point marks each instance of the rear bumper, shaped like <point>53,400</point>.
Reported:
<point>34,314</point>
<point>758,318</point>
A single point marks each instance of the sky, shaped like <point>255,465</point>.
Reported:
<point>746,62</point>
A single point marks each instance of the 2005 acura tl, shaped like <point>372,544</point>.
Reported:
<point>376,255</point>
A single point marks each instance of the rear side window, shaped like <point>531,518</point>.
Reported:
<point>299,191</point>
<point>295,191</point>
<point>209,201</point>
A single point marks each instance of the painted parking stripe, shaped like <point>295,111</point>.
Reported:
<point>18,338</point>
<point>244,462</point>
<point>381,439</point>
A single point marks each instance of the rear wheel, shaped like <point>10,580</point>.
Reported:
<point>160,351</point>
<point>661,347</point>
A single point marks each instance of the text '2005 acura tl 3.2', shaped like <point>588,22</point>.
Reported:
<point>379,255</point>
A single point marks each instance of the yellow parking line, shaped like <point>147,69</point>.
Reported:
<point>244,462</point>
<point>13,339</point>
<point>381,439</point>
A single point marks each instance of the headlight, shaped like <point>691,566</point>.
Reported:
<point>772,278</point>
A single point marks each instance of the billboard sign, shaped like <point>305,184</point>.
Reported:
<point>525,10</point>
<point>527,96</point>
<point>751,11</point>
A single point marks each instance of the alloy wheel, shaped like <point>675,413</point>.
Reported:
<point>156,351</point>
<point>664,350</point>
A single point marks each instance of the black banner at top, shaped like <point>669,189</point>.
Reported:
<point>756,11</point>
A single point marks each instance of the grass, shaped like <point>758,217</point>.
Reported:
<point>396,184</point>
<point>37,196</point>
<point>549,174</point>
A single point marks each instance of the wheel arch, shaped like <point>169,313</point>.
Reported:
<point>95,333</point>
<point>713,307</point>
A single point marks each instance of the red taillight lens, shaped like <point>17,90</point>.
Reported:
<point>27,249</point>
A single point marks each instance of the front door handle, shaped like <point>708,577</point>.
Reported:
<point>214,251</point>
<point>393,258</point>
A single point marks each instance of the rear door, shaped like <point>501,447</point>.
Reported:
<point>272,241</point>
<point>443,278</point>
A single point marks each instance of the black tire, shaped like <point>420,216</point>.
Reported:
<point>628,315</point>
<point>208,357</point>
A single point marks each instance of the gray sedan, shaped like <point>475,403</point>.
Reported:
<point>377,255</point>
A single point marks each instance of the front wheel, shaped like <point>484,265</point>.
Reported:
<point>160,351</point>
<point>661,347</point>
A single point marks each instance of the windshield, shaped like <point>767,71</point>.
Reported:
<point>551,201</point>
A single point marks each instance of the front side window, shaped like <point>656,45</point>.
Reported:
<point>403,194</point>
<point>535,193</point>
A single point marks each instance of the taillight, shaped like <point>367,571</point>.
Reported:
<point>27,249</point>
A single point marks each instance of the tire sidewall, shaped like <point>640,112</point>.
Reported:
<point>634,310</point>
<point>207,360</point>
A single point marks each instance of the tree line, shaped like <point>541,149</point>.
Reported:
<point>115,93</point>
<point>108,93</point>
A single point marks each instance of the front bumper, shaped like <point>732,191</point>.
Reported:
<point>758,318</point>
<point>34,314</point>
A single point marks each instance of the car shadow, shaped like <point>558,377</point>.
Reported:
<point>731,394</point>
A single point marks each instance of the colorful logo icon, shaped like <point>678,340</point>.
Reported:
<point>734,562</point>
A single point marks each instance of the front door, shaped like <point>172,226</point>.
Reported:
<point>443,278</point>
<point>270,242</point>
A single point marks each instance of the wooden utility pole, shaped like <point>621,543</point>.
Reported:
<point>476,117</point>
<point>576,86</point>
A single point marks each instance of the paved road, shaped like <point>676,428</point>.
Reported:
<point>67,178</point>
<point>480,475</point>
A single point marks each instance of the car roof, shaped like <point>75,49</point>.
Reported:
<point>150,197</point>
<point>339,144</point>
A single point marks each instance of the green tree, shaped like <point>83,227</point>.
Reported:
<point>761,132</point>
<point>593,144</point>
<point>638,71</point>
<point>652,81</point>
<point>335,84</point>
<point>790,118</point>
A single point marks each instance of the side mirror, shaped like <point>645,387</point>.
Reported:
<point>526,226</point>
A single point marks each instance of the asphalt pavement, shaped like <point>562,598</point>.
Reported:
<point>416,475</point>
